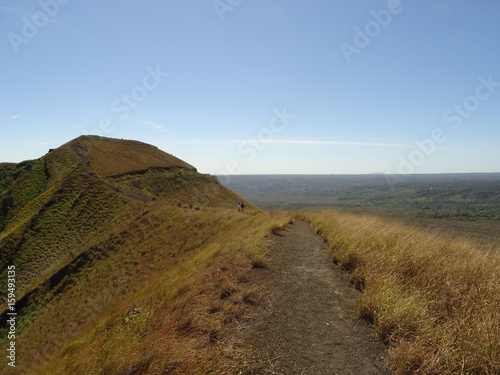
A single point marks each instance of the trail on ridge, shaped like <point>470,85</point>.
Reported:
<point>308,325</point>
<point>84,160</point>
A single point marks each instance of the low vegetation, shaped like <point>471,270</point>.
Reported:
<point>170,300</point>
<point>129,261</point>
<point>433,297</point>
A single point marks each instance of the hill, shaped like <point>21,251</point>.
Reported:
<point>91,224</point>
<point>53,206</point>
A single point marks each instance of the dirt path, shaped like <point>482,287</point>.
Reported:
<point>84,160</point>
<point>308,325</point>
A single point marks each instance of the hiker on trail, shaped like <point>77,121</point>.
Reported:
<point>240,209</point>
<point>242,206</point>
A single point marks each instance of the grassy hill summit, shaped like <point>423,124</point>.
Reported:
<point>96,226</point>
<point>109,157</point>
<point>52,206</point>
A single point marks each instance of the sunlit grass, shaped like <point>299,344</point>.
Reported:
<point>167,296</point>
<point>116,240</point>
<point>146,271</point>
<point>434,297</point>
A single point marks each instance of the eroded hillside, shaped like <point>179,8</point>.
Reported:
<point>96,220</point>
<point>54,208</point>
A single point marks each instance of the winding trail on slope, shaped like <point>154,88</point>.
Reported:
<point>309,325</point>
<point>84,160</point>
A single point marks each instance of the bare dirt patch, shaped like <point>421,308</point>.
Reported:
<point>308,324</point>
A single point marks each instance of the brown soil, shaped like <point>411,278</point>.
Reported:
<point>308,323</point>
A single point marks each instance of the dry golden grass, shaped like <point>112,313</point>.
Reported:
<point>59,207</point>
<point>130,262</point>
<point>165,295</point>
<point>158,264</point>
<point>111,157</point>
<point>435,298</point>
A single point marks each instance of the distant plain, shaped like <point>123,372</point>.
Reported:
<point>468,203</point>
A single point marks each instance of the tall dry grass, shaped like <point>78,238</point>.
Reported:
<point>180,293</point>
<point>433,297</point>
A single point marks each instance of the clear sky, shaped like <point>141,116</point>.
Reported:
<point>258,86</point>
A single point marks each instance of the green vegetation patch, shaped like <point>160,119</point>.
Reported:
<point>449,196</point>
<point>29,183</point>
<point>55,235</point>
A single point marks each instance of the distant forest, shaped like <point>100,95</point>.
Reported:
<point>467,197</point>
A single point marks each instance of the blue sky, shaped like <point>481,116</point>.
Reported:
<point>261,86</point>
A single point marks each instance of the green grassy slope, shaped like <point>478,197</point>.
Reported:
<point>53,209</point>
<point>11,171</point>
<point>55,206</point>
<point>93,222</point>
<point>162,293</point>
